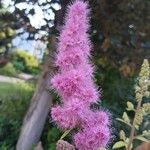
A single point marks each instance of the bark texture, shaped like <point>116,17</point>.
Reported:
<point>35,118</point>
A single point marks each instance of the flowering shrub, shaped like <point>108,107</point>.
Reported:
<point>74,83</point>
<point>24,61</point>
<point>8,70</point>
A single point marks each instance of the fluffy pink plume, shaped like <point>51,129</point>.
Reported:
<point>74,83</point>
<point>92,138</point>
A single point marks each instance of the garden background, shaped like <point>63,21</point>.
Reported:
<point>120,34</point>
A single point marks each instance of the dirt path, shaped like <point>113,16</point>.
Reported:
<point>10,79</point>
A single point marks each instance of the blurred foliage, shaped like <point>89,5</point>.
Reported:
<point>121,40</point>
<point>24,62</point>
<point>14,101</point>
<point>20,61</point>
<point>115,89</point>
<point>119,29</point>
<point>50,136</point>
<point>7,33</point>
<point>8,70</point>
<point>120,32</point>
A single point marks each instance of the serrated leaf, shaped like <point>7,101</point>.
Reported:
<point>119,144</point>
<point>65,134</point>
<point>141,138</point>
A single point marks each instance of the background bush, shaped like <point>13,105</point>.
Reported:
<point>24,62</point>
<point>14,101</point>
<point>8,70</point>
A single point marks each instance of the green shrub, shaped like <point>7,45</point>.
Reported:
<point>18,65</point>
<point>8,70</point>
<point>24,61</point>
<point>14,102</point>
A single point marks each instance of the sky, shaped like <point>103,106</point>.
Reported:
<point>36,20</point>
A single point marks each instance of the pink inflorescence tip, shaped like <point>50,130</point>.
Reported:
<point>74,83</point>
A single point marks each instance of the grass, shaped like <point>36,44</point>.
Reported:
<point>9,89</point>
<point>14,102</point>
<point>4,87</point>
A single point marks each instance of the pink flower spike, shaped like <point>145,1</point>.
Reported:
<point>75,86</point>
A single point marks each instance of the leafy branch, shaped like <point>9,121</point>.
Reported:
<point>141,90</point>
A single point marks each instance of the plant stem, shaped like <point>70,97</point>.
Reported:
<point>133,127</point>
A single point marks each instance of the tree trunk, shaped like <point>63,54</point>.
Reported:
<point>35,118</point>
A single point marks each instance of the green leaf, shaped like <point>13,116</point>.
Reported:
<point>65,134</point>
<point>146,133</point>
<point>119,144</point>
<point>124,122</point>
<point>130,106</point>
<point>136,127</point>
<point>141,138</point>
<point>127,140</point>
<point>125,117</point>
<point>122,135</point>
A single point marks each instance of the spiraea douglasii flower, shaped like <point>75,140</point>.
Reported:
<point>74,83</point>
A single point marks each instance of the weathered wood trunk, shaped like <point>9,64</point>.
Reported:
<point>35,118</point>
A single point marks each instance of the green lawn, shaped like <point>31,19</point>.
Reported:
<point>14,102</point>
<point>9,89</point>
